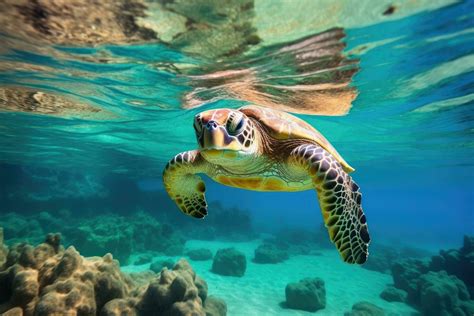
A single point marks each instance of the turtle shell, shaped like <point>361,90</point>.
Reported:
<point>282,125</point>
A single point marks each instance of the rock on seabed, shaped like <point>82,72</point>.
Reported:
<point>50,280</point>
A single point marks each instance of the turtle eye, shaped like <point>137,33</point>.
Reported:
<point>235,124</point>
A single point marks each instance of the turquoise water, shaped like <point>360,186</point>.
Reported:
<point>408,134</point>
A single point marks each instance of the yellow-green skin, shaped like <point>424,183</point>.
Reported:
<point>260,149</point>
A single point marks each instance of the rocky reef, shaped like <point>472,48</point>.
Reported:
<point>157,266</point>
<point>268,253</point>
<point>307,294</point>
<point>50,280</point>
<point>440,286</point>
<point>458,262</point>
<point>124,235</point>
<point>301,241</point>
<point>174,292</point>
<point>365,309</point>
<point>143,259</point>
<point>200,254</point>
<point>215,306</point>
<point>406,274</point>
<point>40,200</point>
<point>382,257</point>
<point>443,294</point>
<point>225,223</point>
<point>229,262</point>
<point>392,294</point>
<point>98,234</point>
<point>3,249</point>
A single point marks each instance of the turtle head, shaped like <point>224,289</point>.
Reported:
<point>225,134</point>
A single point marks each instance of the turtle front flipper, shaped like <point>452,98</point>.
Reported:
<point>184,186</point>
<point>340,201</point>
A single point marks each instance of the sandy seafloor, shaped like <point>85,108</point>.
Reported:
<point>261,290</point>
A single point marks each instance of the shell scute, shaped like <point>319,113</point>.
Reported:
<point>284,126</point>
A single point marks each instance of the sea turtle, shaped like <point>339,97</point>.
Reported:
<point>262,149</point>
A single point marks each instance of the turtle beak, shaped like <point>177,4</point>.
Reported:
<point>215,136</point>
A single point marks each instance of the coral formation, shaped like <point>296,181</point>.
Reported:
<point>48,280</point>
<point>443,294</point>
<point>382,257</point>
<point>157,266</point>
<point>300,241</point>
<point>96,235</point>
<point>143,259</point>
<point>215,306</point>
<point>200,254</point>
<point>3,250</point>
<point>229,262</point>
<point>365,309</point>
<point>268,253</point>
<point>101,235</point>
<point>174,292</point>
<point>308,294</point>
<point>406,274</point>
<point>224,224</point>
<point>21,228</point>
<point>392,294</point>
<point>123,235</point>
<point>438,286</point>
<point>458,262</point>
<point>72,199</point>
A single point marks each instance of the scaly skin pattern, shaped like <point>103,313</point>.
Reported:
<point>264,175</point>
<point>184,186</point>
<point>284,126</point>
<point>340,201</point>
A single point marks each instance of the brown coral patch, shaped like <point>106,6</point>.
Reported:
<point>48,280</point>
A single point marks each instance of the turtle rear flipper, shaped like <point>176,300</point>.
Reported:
<point>340,201</point>
<point>184,186</point>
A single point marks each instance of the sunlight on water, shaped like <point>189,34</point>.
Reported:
<point>136,88</point>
